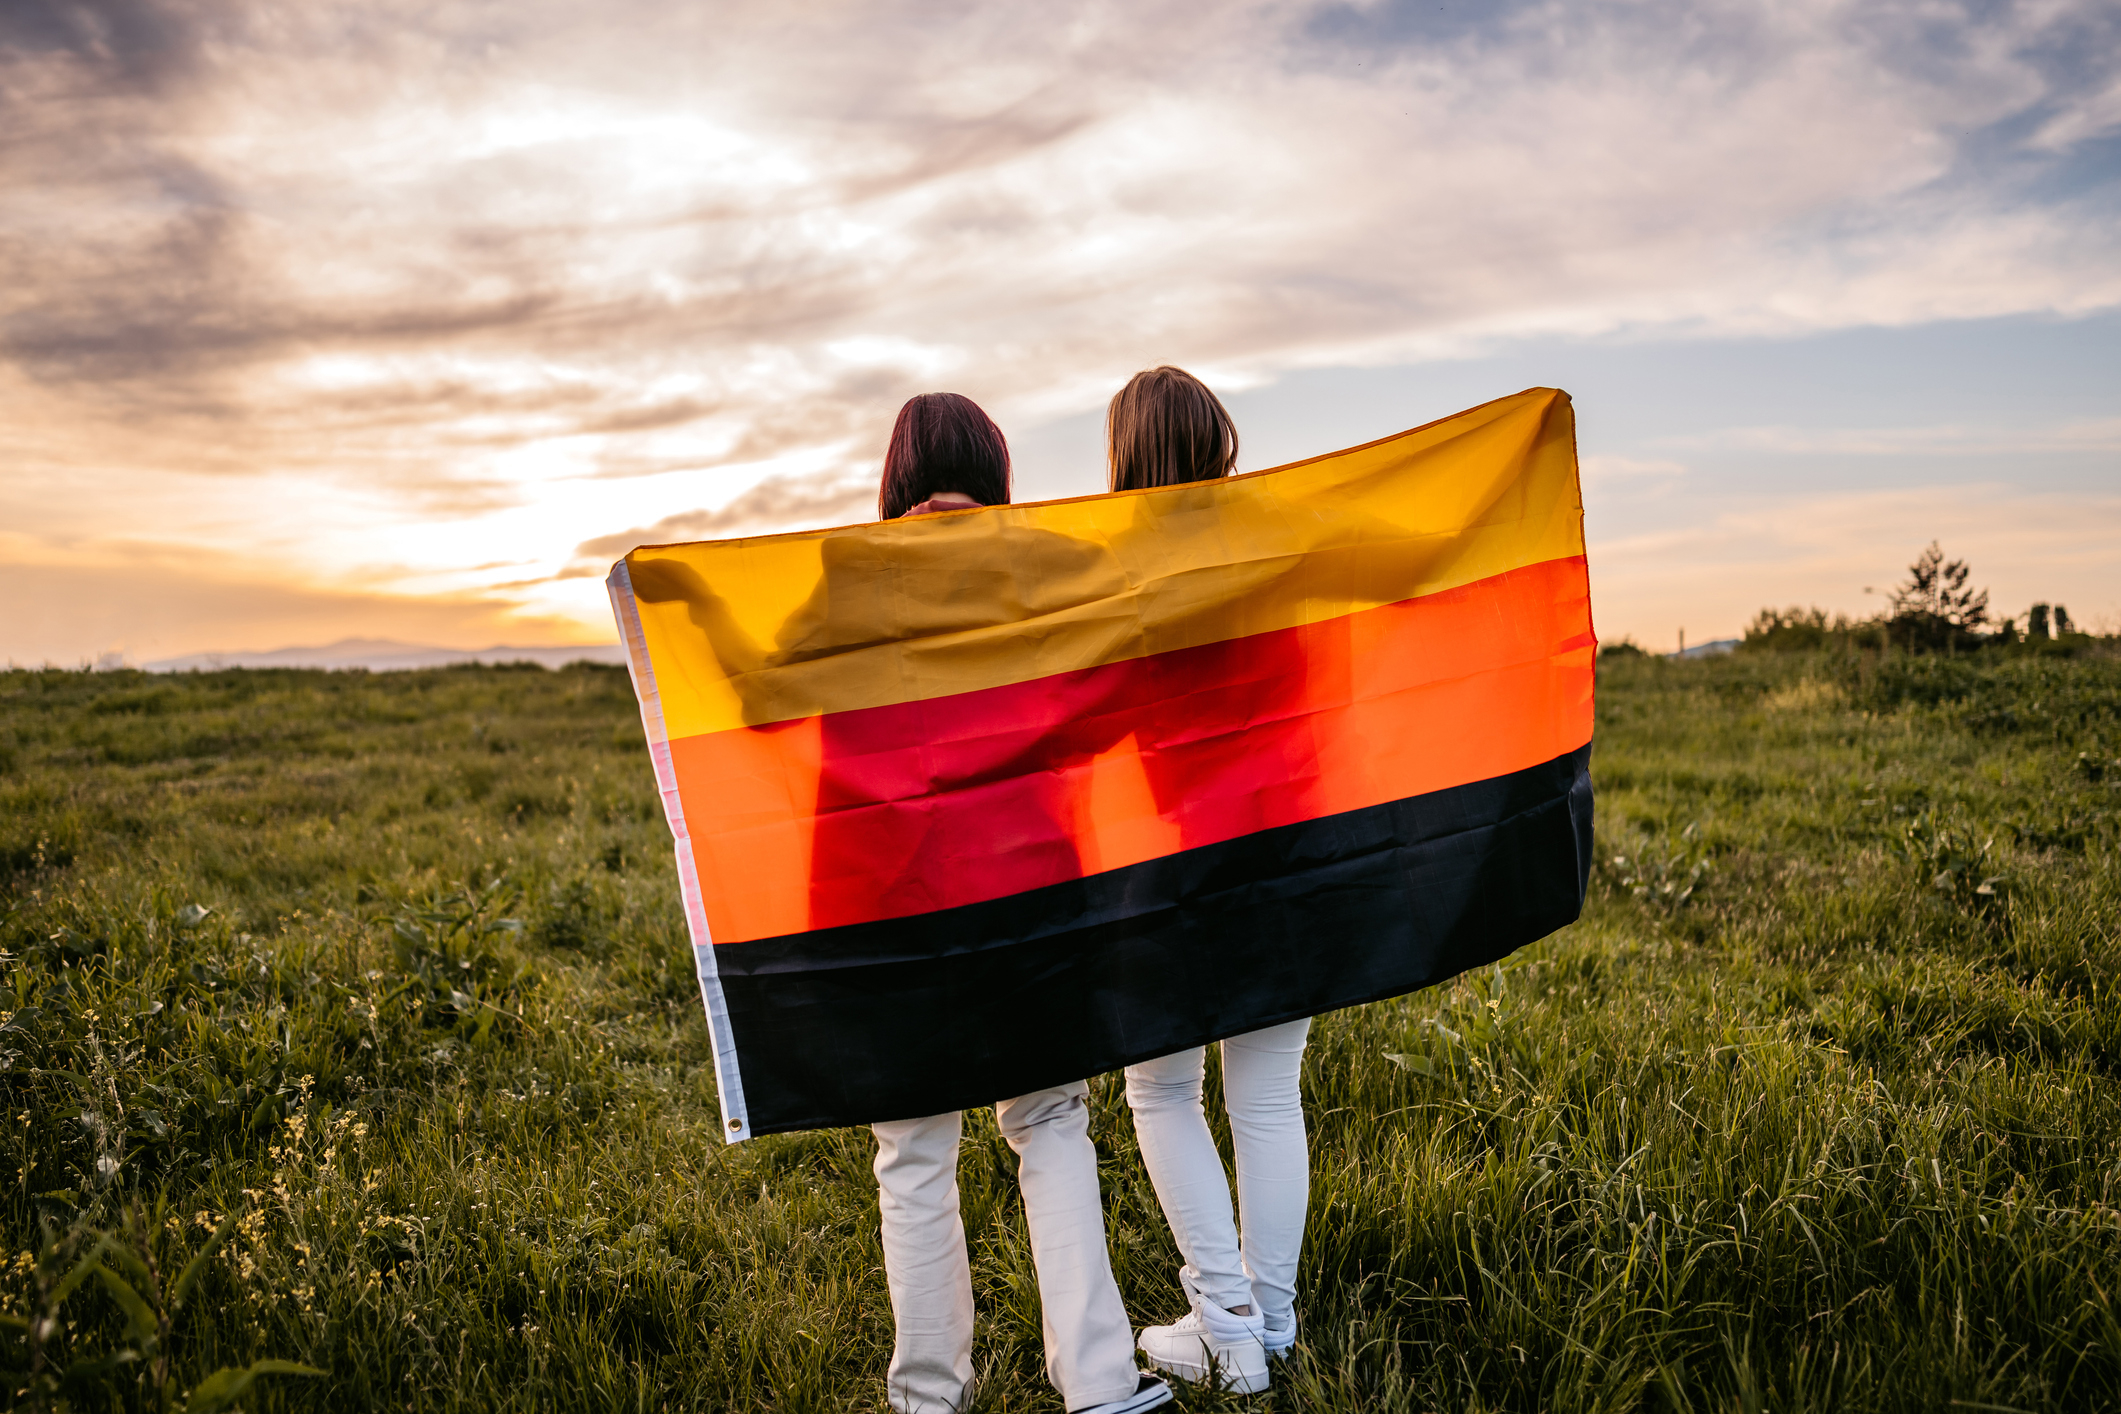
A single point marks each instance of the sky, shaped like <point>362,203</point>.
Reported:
<point>402,320</point>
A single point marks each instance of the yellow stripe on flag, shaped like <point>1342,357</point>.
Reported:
<point>776,628</point>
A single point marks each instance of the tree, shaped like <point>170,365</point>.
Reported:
<point>1935,609</point>
<point>2062,623</point>
<point>2036,622</point>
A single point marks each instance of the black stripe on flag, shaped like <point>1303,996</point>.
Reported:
<point>978,1003</point>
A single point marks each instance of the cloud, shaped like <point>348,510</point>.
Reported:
<point>176,602</point>
<point>2084,435</point>
<point>779,503</point>
<point>1606,471</point>
<point>132,44</point>
<point>438,266</point>
<point>2081,117</point>
<point>1711,578</point>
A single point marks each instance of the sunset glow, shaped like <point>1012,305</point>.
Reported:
<point>401,320</point>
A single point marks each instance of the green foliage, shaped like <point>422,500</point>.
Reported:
<point>1801,630</point>
<point>1660,871</point>
<point>363,1004</point>
<point>1933,609</point>
<point>129,1270</point>
<point>1955,859</point>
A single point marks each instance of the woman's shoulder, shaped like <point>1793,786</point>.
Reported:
<point>934,506</point>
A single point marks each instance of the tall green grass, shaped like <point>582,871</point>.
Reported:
<point>382,981</point>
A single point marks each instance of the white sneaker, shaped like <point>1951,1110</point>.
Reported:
<point>1234,1347</point>
<point>1150,1393</point>
<point>1280,1336</point>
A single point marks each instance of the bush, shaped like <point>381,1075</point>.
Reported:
<point>1801,630</point>
<point>1924,681</point>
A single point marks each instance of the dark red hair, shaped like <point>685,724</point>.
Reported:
<point>943,442</point>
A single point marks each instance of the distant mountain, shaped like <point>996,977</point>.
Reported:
<point>385,655</point>
<point>1706,650</point>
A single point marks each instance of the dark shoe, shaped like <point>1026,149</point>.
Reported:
<point>1150,1393</point>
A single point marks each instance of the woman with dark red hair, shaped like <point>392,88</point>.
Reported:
<point>947,455</point>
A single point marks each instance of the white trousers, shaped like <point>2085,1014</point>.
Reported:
<point>1260,1090</point>
<point>1089,1343</point>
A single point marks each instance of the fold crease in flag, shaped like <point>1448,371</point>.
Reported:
<point>970,804</point>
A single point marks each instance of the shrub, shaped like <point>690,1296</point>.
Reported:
<point>1934,609</point>
<point>1799,630</point>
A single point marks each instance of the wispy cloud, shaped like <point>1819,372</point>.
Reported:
<point>1828,549</point>
<point>2091,435</point>
<point>411,287</point>
<point>772,504</point>
<point>1601,472</point>
<point>141,602</point>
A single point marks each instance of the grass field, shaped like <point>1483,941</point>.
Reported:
<point>382,979</point>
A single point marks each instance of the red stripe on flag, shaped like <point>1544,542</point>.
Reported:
<point>886,812</point>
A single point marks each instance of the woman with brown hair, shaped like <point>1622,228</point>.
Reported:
<point>1166,429</point>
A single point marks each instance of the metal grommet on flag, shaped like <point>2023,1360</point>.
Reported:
<point>974,804</point>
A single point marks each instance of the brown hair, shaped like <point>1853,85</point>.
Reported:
<point>943,442</point>
<point>1164,429</point>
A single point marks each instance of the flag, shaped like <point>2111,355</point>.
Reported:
<point>971,804</point>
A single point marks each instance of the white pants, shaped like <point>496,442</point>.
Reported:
<point>1260,1074</point>
<point>1089,1343</point>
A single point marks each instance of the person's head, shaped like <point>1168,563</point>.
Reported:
<point>943,442</point>
<point>1164,429</point>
